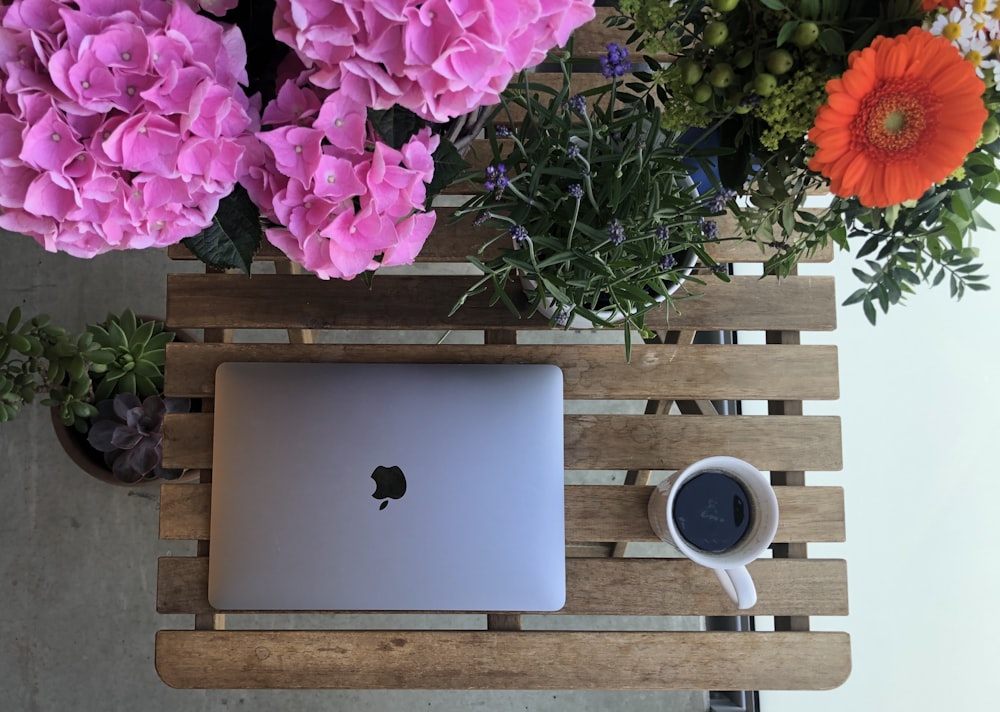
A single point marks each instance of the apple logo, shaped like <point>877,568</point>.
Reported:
<point>389,484</point>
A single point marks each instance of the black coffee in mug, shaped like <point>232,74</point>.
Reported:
<point>712,511</point>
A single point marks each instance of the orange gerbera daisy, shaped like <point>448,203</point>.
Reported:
<point>902,117</point>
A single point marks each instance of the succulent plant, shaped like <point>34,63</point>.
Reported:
<point>38,358</point>
<point>129,432</point>
<point>139,351</point>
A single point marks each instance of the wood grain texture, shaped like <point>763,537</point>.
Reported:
<point>502,660</point>
<point>412,302</point>
<point>453,242</point>
<point>620,442</point>
<point>594,513</point>
<point>606,586</point>
<point>677,372</point>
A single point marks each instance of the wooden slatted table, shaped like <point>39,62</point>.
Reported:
<point>792,586</point>
<point>671,384</point>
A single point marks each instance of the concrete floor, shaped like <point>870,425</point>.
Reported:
<point>78,557</point>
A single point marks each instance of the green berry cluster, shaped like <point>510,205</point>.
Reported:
<point>768,60</point>
<point>790,109</point>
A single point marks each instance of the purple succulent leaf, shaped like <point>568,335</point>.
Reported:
<point>132,418</point>
<point>149,426</point>
<point>122,469</point>
<point>124,438</point>
<point>143,457</point>
<point>106,410</point>
<point>165,473</point>
<point>154,407</point>
<point>101,435</point>
<point>177,405</point>
<point>124,402</point>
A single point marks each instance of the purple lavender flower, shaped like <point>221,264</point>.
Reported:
<point>575,191</point>
<point>578,103</point>
<point>519,233</point>
<point>667,262</point>
<point>662,233</point>
<point>709,228</point>
<point>616,232</point>
<point>481,218</point>
<point>615,63</point>
<point>503,131</point>
<point>496,178</point>
<point>572,151</point>
<point>718,202</point>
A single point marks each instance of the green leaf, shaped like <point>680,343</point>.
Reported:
<point>831,42</point>
<point>809,9</point>
<point>856,297</point>
<point>14,319</point>
<point>869,310</point>
<point>786,31</point>
<point>234,235</point>
<point>862,276</point>
<point>773,4</point>
<point>395,126</point>
<point>448,165</point>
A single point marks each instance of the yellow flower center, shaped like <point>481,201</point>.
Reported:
<point>979,6</point>
<point>975,57</point>
<point>952,31</point>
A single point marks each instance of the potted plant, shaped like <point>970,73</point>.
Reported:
<point>103,387</point>
<point>890,107</point>
<point>593,206</point>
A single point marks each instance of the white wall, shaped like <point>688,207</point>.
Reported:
<point>919,399</point>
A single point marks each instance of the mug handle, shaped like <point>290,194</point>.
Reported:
<point>739,586</point>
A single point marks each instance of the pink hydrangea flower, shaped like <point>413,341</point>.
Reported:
<point>438,58</point>
<point>122,122</point>
<point>344,201</point>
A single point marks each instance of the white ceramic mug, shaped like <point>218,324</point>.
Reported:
<point>730,564</point>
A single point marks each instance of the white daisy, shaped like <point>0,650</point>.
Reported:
<point>953,25</point>
<point>978,51</point>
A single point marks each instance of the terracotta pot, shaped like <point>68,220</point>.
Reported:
<point>91,461</point>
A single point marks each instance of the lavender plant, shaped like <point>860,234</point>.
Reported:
<point>591,202</point>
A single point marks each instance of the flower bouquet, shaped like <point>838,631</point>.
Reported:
<point>594,208</point>
<point>890,107</point>
<point>324,125</point>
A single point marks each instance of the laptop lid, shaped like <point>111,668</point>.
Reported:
<point>387,487</point>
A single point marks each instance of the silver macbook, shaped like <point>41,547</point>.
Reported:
<point>388,487</point>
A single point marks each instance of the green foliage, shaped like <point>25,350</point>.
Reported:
<point>625,170</point>
<point>923,242</point>
<point>43,362</point>
<point>138,351</point>
<point>234,236</point>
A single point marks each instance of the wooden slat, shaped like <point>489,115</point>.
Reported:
<point>593,513</point>
<point>678,372</point>
<point>398,302</point>
<point>502,660</point>
<point>619,442</point>
<point>633,587</point>
<point>610,442</point>
<point>455,241</point>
